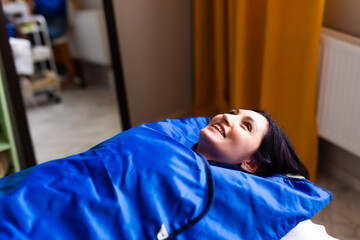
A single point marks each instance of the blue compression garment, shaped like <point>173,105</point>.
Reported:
<point>55,13</point>
<point>131,185</point>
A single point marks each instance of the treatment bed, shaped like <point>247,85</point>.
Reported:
<point>148,183</point>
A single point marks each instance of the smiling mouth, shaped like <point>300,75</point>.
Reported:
<point>217,127</point>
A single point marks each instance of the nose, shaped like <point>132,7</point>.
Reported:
<point>226,119</point>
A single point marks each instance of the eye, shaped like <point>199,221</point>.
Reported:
<point>233,112</point>
<point>248,126</point>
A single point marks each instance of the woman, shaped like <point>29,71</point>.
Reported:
<point>252,141</point>
<point>147,183</point>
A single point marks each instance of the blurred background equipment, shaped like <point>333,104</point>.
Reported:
<point>34,61</point>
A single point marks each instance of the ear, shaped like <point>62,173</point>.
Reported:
<point>250,166</point>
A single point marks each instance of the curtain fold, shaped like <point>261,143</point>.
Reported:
<point>258,54</point>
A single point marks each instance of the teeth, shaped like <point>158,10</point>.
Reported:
<point>219,129</point>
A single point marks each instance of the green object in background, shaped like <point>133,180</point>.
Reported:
<point>7,141</point>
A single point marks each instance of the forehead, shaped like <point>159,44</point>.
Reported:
<point>252,113</point>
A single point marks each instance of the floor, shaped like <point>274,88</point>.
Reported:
<point>88,116</point>
<point>342,216</point>
<point>84,118</point>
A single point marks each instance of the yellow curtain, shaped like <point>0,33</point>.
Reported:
<point>259,54</point>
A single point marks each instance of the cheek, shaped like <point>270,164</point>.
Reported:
<point>243,145</point>
<point>215,119</point>
<point>251,146</point>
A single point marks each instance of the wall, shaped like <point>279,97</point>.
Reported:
<point>340,163</point>
<point>155,45</point>
<point>84,4</point>
<point>89,46</point>
<point>343,16</point>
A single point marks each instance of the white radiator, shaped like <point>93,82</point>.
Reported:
<point>338,111</point>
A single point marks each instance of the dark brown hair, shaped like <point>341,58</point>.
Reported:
<point>276,154</point>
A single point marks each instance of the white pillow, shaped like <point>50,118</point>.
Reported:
<point>307,230</point>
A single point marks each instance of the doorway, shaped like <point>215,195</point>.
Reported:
<point>83,116</point>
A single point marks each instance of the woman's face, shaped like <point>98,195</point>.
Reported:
<point>232,137</point>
